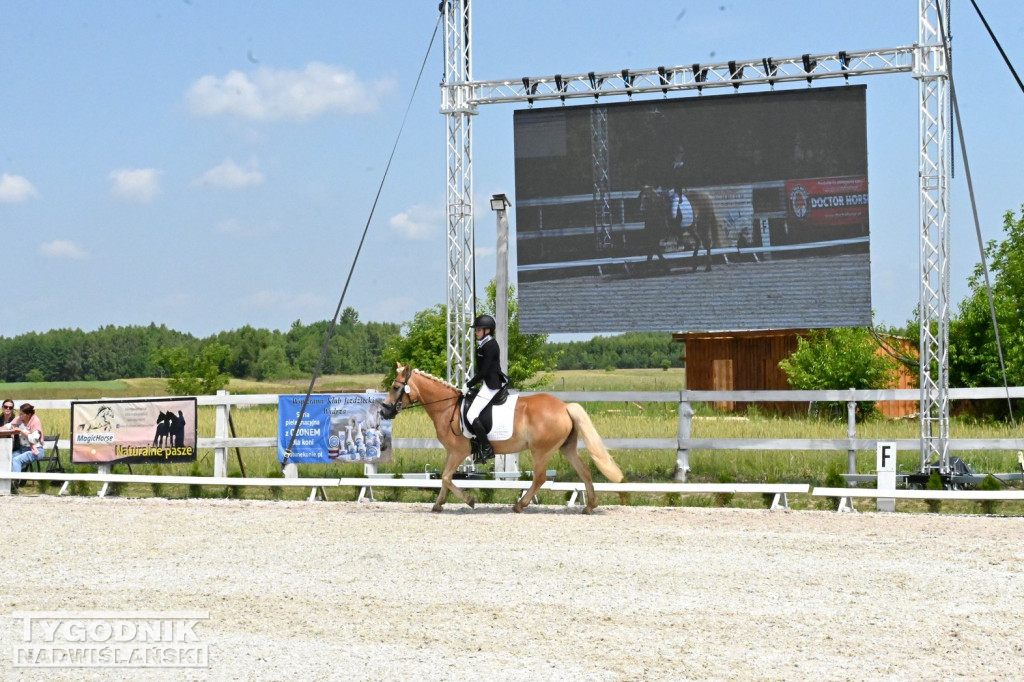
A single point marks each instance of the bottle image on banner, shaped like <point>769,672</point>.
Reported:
<point>360,440</point>
<point>350,445</point>
<point>372,444</point>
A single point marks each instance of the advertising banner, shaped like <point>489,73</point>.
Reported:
<point>336,427</point>
<point>147,431</point>
<point>829,201</point>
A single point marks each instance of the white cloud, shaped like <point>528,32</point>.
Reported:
<point>229,175</point>
<point>62,249</point>
<point>14,188</point>
<point>274,94</point>
<point>418,222</point>
<point>139,184</point>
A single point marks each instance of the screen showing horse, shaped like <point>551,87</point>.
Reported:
<point>727,213</point>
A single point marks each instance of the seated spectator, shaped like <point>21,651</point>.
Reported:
<point>31,429</point>
<point>6,417</point>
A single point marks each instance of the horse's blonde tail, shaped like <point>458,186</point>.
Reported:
<point>598,452</point>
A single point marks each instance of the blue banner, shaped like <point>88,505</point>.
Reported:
<point>336,427</point>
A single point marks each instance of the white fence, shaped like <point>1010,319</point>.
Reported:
<point>681,445</point>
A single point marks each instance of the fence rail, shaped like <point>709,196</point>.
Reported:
<point>681,445</point>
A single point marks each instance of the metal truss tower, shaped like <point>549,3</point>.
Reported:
<point>926,60</point>
<point>455,105</point>
<point>931,72</point>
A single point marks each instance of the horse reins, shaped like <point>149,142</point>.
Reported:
<point>403,387</point>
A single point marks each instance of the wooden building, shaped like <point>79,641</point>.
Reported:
<point>738,361</point>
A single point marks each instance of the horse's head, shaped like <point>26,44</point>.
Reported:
<point>400,395</point>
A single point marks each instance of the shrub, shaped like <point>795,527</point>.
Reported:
<point>834,480</point>
<point>233,492</point>
<point>723,499</point>
<point>276,491</point>
<point>989,506</point>
<point>194,489</point>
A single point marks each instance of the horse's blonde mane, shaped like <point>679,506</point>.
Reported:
<point>439,380</point>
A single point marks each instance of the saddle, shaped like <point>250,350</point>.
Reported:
<point>498,417</point>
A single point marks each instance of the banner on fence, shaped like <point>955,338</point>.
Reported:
<point>336,427</point>
<point>148,431</point>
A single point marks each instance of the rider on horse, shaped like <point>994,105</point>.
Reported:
<point>483,386</point>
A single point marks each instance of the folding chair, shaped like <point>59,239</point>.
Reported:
<point>52,459</point>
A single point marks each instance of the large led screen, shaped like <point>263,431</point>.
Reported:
<point>724,213</point>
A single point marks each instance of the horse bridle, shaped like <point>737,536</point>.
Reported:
<point>390,411</point>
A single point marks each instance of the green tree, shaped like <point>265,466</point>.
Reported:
<point>839,359</point>
<point>973,358</point>
<point>272,364</point>
<point>424,344</point>
<point>194,373</point>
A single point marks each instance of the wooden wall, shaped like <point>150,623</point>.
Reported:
<point>724,361</point>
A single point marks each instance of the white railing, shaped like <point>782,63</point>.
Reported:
<point>681,445</point>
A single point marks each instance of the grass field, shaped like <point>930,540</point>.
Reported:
<point>613,420</point>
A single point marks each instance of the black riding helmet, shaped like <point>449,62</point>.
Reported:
<point>484,322</point>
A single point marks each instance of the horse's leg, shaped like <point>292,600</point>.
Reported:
<point>540,475</point>
<point>572,454</point>
<point>707,245</point>
<point>450,465</point>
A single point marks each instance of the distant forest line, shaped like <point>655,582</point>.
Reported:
<point>114,352</point>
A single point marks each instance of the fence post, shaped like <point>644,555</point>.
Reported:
<point>220,430</point>
<point>851,432</point>
<point>683,454</point>
<point>6,457</point>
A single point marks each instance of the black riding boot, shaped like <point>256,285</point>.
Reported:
<point>482,450</point>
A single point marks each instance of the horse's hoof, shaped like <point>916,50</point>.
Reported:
<point>472,503</point>
<point>436,508</point>
<point>517,509</point>
<point>588,510</point>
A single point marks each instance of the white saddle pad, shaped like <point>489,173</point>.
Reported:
<point>685,212</point>
<point>502,420</point>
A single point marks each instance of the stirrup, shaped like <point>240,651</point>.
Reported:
<point>482,452</point>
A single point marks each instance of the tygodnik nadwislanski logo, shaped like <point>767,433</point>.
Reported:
<point>110,639</point>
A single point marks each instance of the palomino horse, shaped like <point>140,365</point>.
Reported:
<point>694,212</point>
<point>668,214</point>
<point>543,424</point>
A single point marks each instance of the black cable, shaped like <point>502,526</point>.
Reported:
<point>998,46</point>
<point>977,222</point>
<point>355,259</point>
<point>890,351</point>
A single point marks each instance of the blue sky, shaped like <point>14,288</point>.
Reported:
<point>208,165</point>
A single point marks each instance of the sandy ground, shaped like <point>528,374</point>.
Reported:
<point>390,591</point>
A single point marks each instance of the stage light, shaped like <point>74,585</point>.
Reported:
<point>627,79</point>
<point>665,76</point>
<point>770,69</point>
<point>735,74</point>
<point>809,66</point>
<point>595,83</point>
<point>699,76</point>
<point>844,64</point>
<point>531,89</point>
<point>560,85</point>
